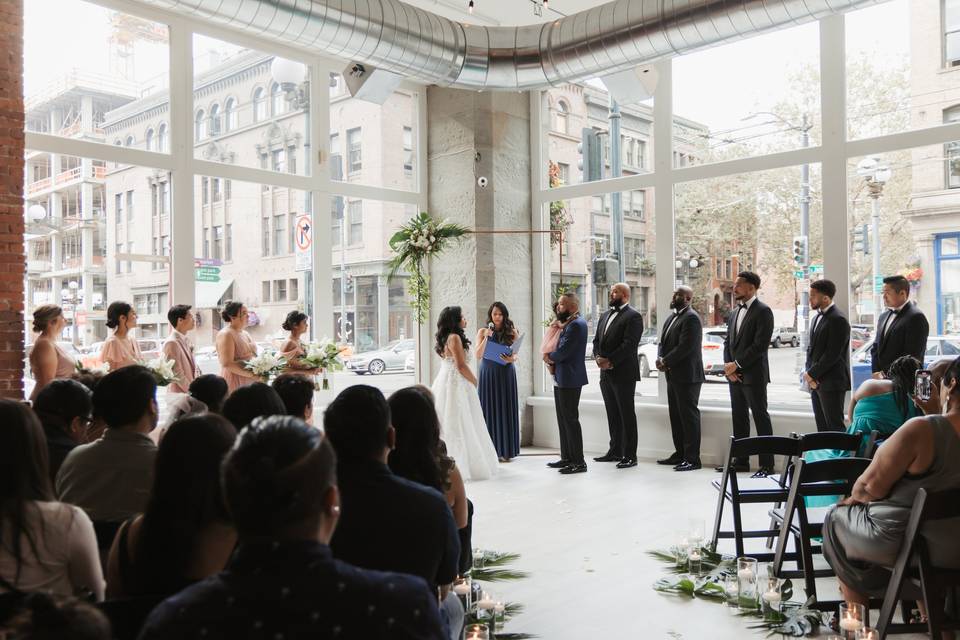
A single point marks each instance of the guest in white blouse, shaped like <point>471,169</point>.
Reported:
<point>45,545</point>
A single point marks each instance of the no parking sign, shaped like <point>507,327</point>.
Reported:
<point>303,239</point>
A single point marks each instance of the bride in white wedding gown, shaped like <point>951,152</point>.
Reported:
<point>462,425</point>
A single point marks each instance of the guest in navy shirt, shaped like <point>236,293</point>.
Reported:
<point>283,583</point>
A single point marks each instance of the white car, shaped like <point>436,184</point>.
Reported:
<point>711,348</point>
<point>411,364</point>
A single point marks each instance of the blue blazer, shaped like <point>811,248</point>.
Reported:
<point>571,369</point>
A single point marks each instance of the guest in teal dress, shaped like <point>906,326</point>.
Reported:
<point>877,405</point>
<point>497,384</point>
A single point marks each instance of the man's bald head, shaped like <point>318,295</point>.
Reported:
<point>624,290</point>
<point>939,369</point>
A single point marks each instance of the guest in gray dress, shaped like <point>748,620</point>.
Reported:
<point>863,534</point>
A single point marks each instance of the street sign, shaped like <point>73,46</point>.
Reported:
<point>815,268</point>
<point>207,277</point>
<point>303,239</point>
<point>878,284</point>
<point>207,262</point>
<point>798,274</point>
<point>210,271</point>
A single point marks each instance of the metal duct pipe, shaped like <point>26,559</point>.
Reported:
<point>419,44</point>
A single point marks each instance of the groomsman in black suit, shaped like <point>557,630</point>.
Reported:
<point>827,370</point>
<point>902,329</point>
<point>615,350</point>
<point>680,357</point>
<point>746,366</point>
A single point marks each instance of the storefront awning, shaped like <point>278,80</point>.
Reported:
<point>210,293</point>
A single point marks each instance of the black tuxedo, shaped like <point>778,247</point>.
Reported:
<point>828,363</point>
<point>617,340</point>
<point>680,350</point>
<point>906,336</point>
<point>747,347</point>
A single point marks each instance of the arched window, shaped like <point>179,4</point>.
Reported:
<point>215,120</point>
<point>230,119</point>
<point>278,99</point>
<point>162,138</point>
<point>259,105</point>
<point>200,125</point>
<point>561,117</point>
<point>128,142</point>
<point>149,140</point>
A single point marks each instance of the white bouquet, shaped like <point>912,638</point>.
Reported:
<point>102,369</point>
<point>323,355</point>
<point>162,370</point>
<point>266,364</point>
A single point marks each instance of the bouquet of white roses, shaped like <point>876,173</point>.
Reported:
<point>323,355</point>
<point>266,365</point>
<point>162,370</point>
<point>103,369</point>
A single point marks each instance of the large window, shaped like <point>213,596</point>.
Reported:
<point>951,32</point>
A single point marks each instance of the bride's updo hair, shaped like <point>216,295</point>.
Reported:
<point>449,323</point>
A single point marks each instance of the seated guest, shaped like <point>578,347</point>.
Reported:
<point>388,523</point>
<point>185,533</point>
<point>90,379</point>
<point>47,360</point>
<point>111,477</point>
<point>296,391</point>
<point>252,401</point>
<point>862,536</point>
<point>937,370</point>
<point>64,408</point>
<point>46,545</point>
<point>178,348</point>
<point>42,616</point>
<point>280,490</point>
<point>211,390</point>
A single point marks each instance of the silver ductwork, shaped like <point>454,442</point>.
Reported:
<point>419,44</point>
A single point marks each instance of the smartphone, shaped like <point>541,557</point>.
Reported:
<point>922,385</point>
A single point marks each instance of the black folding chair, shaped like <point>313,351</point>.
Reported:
<point>739,491</point>
<point>820,478</point>
<point>914,576</point>
<point>873,443</point>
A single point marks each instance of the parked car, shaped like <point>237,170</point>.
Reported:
<point>410,365</point>
<point>150,347</point>
<point>391,358</point>
<point>711,348</point>
<point>649,335</point>
<point>784,336</point>
<point>858,337</point>
<point>589,353</point>
<point>937,347</point>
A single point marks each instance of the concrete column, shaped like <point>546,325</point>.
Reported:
<point>927,293</point>
<point>86,114</point>
<point>383,310</point>
<point>473,135</point>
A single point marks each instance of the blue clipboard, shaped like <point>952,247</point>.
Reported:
<point>494,350</point>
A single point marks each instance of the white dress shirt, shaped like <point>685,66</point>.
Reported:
<point>890,318</point>
<point>819,317</point>
<point>741,313</point>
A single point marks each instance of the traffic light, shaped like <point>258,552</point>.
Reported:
<point>348,284</point>
<point>605,271</point>
<point>591,155</point>
<point>861,239</point>
<point>800,251</point>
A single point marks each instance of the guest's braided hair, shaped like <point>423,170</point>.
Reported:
<point>902,373</point>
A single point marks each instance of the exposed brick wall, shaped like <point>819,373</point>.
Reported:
<point>12,258</point>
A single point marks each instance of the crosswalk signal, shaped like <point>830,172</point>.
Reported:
<point>348,284</point>
<point>800,251</point>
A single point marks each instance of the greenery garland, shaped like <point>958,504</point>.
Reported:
<point>419,238</point>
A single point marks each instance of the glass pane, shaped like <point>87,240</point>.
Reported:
<point>747,222</point>
<point>949,245</point>
<point>589,265</point>
<point>94,96</point>
<point>771,102</point>
<point>373,144</point>
<point>578,120</point>
<point>250,108</point>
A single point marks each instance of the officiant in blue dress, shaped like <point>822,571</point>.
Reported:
<point>497,384</point>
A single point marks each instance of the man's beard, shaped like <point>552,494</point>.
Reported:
<point>676,304</point>
<point>615,302</point>
<point>563,316</point>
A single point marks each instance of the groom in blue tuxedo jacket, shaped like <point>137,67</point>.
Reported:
<point>570,373</point>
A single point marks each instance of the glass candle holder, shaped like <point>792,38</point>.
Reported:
<point>680,550</point>
<point>477,632</point>
<point>478,558</point>
<point>852,618</point>
<point>731,588</point>
<point>499,616</point>
<point>463,588</point>
<point>695,531</point>
<point>771,599</point>
<point>867,633</point>
<point>747,583</point>
<point>694,559</point>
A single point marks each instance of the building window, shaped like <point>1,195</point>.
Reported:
<point>408,150</point>
<point>951,150</point>
<point>278,101</point>
<point>294,290</point>
<point>206,243</point>
<point>217,185</point>
<point>291,159</point>
<point>116,258</point>
<point>279,233</point>
<point>265,234</point>
<point>265,291</point>
<point>129,141</point>
<point>564,171</point>
<point>129,263</point>
<point>951,32</point>
<point>259,105</point>
<point>200,125</point>
<point>205,190</point>
<point>231,117</point>
<point>641,154</point>
<point>162,138</point>
<point>355,213</point>
<point>118,206</point>
<point>561,117</point>
<point>635,250</point>
<point>228,243</point>
<point>355,158</point>
<point>165,247</point>
<point>154,206</point>
<point>227,187</point>
<point>336,159</point>
<point>278,160</point>
<point>164,198</point>
<point>279,290</point>
<point>218,243</point>
<point>336,220</point>
<point>293,233</point>
<point>149,140</point>
<point>215,120</point>
<point>129,205</point>
<point>634,205</point>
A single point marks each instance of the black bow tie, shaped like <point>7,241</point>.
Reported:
<point>742,305</point>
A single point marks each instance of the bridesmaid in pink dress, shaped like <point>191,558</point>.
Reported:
<point>120,349</point>
<point>292,349</point>
<point>235,346</point>
<point>47,360</point>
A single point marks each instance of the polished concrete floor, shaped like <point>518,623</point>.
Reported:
<point>584,539</point>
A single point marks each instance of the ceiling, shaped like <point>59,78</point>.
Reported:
<point>504,12</point>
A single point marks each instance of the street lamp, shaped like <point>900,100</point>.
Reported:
<point>875,174</point>
<point>73,285</point>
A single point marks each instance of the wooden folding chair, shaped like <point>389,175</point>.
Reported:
<point>913,571</point>
<point>820,478</point>
<point>739,491</point>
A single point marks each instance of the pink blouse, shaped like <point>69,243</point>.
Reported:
<point>243,349</point>
<point>120,352</point>
<point>66,366</point>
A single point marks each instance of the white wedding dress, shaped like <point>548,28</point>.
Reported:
<point>462,425</point>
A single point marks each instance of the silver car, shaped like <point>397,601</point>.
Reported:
<point>391,358</point>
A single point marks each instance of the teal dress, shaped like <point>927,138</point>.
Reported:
<point>874,413</point>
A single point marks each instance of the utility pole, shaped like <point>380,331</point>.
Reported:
<point>616,206</point>
<point>805,232</point>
